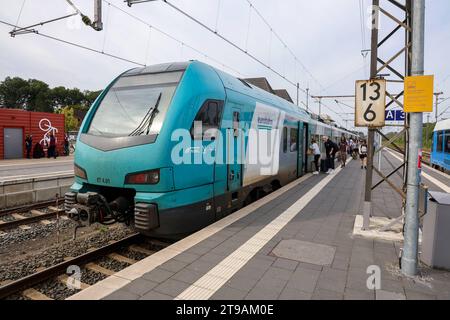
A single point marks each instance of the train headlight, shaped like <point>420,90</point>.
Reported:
<point>145,177</point>
<point>80,173</point>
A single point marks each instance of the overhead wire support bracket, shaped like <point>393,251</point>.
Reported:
<point>96,24</point>
<point>29,29</point>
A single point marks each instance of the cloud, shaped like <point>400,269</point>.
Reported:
<point>324,34</point>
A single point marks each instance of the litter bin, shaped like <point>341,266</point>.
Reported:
<point>436,231</point>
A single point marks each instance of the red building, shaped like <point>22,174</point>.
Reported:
<point>16,124</point>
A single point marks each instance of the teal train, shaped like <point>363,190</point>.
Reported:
<point>174,147</point>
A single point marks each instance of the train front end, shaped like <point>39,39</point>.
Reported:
<point>121,152</point>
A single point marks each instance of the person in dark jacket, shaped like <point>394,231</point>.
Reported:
<point>51,152</point>
<point>28,145</point>
<point>330,148</point>
<point>66,145</point>
<point>343,146</point>
<point>38,151</point>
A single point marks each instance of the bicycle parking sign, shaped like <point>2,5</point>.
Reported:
<point>370,103</point>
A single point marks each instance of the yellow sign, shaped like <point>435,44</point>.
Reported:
<point>419,94</point>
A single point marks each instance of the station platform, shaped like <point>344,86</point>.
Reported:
<point>296,243</point>
<point>34,168</point>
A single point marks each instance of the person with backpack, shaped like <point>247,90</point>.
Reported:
<point>331,148</point>
<point>363,154</point>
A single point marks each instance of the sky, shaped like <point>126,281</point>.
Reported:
<point>323,39</point>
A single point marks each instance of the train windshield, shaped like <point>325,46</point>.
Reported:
<point>135,105</point>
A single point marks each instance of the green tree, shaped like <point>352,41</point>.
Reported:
<point>14,92</point>
<point>39,98</point>
<point>90,97</point>
<point>36,95</point>
<point>71,122</point>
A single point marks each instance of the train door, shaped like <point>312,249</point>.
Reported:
<point>300,144</point>
<point>235,154</point>
<point>305,138</point>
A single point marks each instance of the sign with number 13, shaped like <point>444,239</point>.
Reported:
<point>370,103</point>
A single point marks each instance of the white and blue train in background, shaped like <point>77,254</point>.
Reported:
<point>124,167</point>
<point>440,152</point>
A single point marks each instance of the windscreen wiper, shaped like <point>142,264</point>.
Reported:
<point>147,120</point>
<point>154,113</point>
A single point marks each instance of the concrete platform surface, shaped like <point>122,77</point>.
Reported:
<point>33,168</point>
<point>296,243</point>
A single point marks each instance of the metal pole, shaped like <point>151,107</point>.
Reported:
<point>320,106</point>
<point>373,73</point>
<point>380,153</point>
<point>411,236</point>
<point>437,94</point>
<point>307,99</point>
<point>98,24</point>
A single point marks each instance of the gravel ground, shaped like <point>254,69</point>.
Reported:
<point>56,290</point>
<point>112,264</point>
<point>29,263</point>
<point>91,277</point>
<point>38,230</point>
<point>132,254</point>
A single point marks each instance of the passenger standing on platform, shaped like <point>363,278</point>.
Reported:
<point>350,147</point>
<point>52,147</point>
<point>29,144</point>
<point>66,144</point>
<point>316,152</point>
<point>363,154</point>
<point>343,151</point>
<point>330,148</point>
<point>355,149</point>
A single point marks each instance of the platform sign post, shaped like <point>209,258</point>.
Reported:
<point>370,103</point>
<point>419,94</point>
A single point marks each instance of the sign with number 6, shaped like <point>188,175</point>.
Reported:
<point>370,103</point>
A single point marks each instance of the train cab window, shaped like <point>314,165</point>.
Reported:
<point>208,117</point>
<point>447,141</point>
<point>440,142</point>
<point>293,141</point>
<point>284,140</point>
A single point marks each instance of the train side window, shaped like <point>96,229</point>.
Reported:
<point>447,141</point>
<point>440,141</point>
<point>209,117</point>
<point>284,140</point>
<point>293,141</point>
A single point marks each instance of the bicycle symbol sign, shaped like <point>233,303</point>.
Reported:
<point>370,103</point>
<point>46,126</point>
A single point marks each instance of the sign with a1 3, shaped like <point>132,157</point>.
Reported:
<point>370,103</point>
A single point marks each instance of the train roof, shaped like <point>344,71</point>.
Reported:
<point>236,84</point>
<point>442,125</point>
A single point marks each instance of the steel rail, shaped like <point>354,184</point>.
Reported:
<point>53,271</point>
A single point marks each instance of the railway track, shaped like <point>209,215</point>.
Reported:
<point>31,206</point>
<point>14,220</point>
<point>25,287</point>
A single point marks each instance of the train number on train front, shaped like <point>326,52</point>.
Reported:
<point>370,103</point>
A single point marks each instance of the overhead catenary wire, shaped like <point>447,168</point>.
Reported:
<point>76,45</point>
<point>289,50</point>
<point>172,37</point>
<point>94,50</point>
<point>20,13</point>
<point>233,44</point>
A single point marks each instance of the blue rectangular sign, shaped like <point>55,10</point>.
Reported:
<point>395,115</point>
